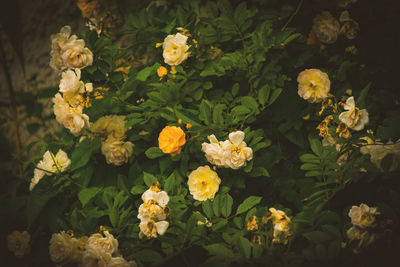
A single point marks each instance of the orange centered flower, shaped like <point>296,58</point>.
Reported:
<point>171,139</point>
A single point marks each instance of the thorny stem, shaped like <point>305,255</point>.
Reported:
<point>13,108</point>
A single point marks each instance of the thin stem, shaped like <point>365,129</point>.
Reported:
<point>292,16</point>
<point>13,107</point>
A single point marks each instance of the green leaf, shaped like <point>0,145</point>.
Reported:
<point>218,118</point>
<point>81,155</point>
<point>361,101</point>
<point>154,152</point>
<point>138,189</point>
<point>219,250</point>
<point>259,171</point>
<point>146,72</point>
<point>317,236</point>
<point>226,205</point>
<point>316,145</point>
<point>216,205</point>
<point>148,255</point>
<point>217,226</point>
<point>187,117</point>
<point>205,112</point>
<point>149,179</point>
<point>170,26</point>
<point>263,94</point>
<point>235,89</point>
<point>310,158</point>
<point>244,247</point>
<point>207,208</point>
<point>275,94</point>
<point>170,184</point>
<point>88,194</point>
<point>248,203</point>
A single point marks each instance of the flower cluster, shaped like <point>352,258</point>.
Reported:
<point>97,250</point>
<point>153,212</point>
<point>18,243</point>
<point>69,103</point>
<point>363,220</point>
<point>203,183</point>
<point>67,51</point>
<point>232,153</point>
<point>49,165</point>
<point>113,147</point>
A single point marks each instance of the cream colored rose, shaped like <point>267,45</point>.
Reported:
<point>213,151</point>
<point>64,248</point>
<point>354,118</point>
<point>107,242</point>
<point>326,28</point>
<point>150,228</point>
<point>113,125</point>
<point>379,151</point>
<point>18,243</point>
<point>71,117</point>
<point>314,85</point>
<point>76,55</point>
<point>95,256</point>
<point>58,42</point>
<point>116,151</point>
<point>70,81</point>
<point>236,152</point>
<point>121,262</point>
<point>362,216</point>
<point>175,49</point>
<point>203,183</point>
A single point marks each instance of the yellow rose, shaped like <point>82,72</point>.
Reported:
<point>171,139</point>
<point>113,125</point>
<point>203,183</point>
<point>175,49</point>
<point>314,85</point>
<point>18,243</point>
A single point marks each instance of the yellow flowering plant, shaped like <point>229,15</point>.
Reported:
<point>209,133</point>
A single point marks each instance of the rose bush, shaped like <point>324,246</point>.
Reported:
<point>212,133</point>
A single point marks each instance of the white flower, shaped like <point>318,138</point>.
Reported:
<point>159,197</point>
<point>121,262</point>
<point>116,151</point>
<point>354,118</point>
<point>71,117</point>
<point>68,51</point>
<point>107,242</point>
<point>18,243</point>
<point>76,55</point>
<point>214,152</point>
<point>236,152</point>
<point>362,216</point>
<point>64,248</point>
<point>175,49</point>
<point>50,164</point>
<point>70,81</point>
<point>150,228</point>
<point>150,210</point>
